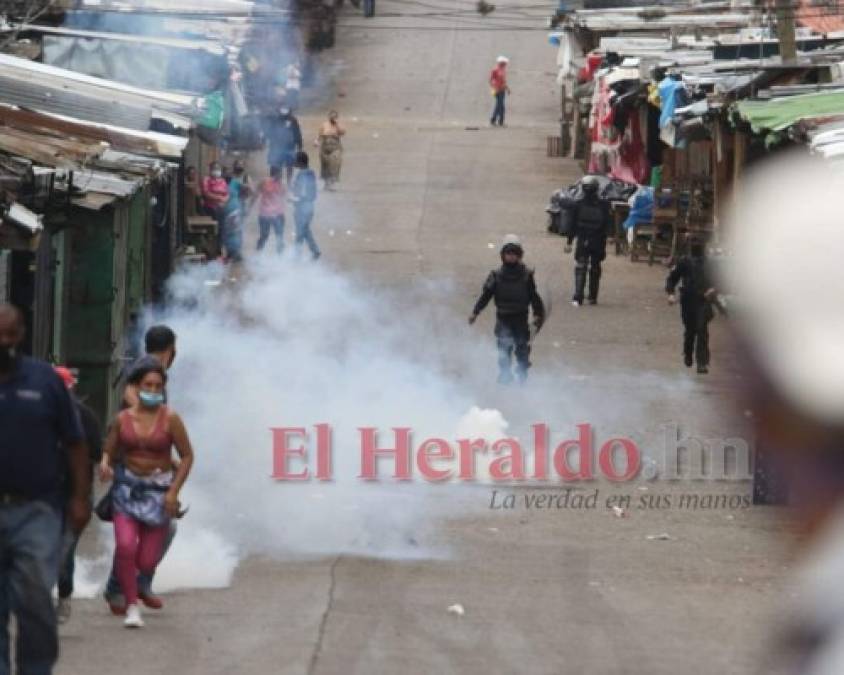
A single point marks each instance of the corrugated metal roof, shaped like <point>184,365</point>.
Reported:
<point>128,140</point>
<point>107,183</point>
<point>243,7</point>
<point>40,87</point>
<point>657,18</point>
<point>175,43</point>
<point>94,201</point>
<point>49,150</point>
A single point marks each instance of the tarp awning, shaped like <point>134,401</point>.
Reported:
<point>781,113</point>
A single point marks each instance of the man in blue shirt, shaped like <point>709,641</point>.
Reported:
<point>285,140</point>
<point>38,422</point>
<point>304,195</point>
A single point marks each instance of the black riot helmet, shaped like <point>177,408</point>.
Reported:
<point>511,244</point>
<point>590,185</point>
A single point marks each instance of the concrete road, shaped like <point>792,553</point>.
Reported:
<point>427,186</point>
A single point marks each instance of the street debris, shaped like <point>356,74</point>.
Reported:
<point>619,512</point>
<point>457,610</point>
<point>659,537</point>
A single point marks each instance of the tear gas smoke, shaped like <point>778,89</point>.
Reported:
<point>296,344</point>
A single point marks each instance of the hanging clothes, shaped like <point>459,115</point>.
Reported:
<point>672,94</point>
<point>630,163</point>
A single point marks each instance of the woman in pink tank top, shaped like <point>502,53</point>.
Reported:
<point>147,480</point>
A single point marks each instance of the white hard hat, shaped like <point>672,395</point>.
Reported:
<point>786,237</point>
<point>502,59</point>
<point>511,239</point>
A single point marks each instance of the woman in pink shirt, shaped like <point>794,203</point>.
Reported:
<point>271,198</point>
<point>215,190</point>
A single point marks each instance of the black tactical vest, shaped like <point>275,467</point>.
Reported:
<point>590,217</point>
<point>512,295</point>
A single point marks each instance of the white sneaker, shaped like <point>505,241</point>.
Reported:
<point>63,610</point>
<point>575,303</point>
<point>133,617</point>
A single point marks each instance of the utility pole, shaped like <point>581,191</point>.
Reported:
<point>786,10</point>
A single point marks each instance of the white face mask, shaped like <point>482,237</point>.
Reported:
<point>217,173</point>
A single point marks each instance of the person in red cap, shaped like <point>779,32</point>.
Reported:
<point>92,430</point>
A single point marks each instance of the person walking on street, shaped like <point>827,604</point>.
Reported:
<point>513,288</point>
<point>589,226</point>
<point>233,213</point>
<point>500,90</point>
<point>292,84</point>
<point>331,150</point>
<point>271,198</point>
<point>146,482</point>
<point>41,441</point>
<point>304,197</point>
<point>697,296</point>
<point>285,139</point>
<point>160,348</point>
<point>93,438</point>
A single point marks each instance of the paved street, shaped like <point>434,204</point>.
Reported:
<point>426,187</point>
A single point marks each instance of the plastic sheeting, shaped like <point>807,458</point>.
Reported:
<point>668,90</point>
<point>641,207</point>
<point>781,113</point>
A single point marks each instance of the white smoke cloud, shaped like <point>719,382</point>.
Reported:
<point>295,344</point>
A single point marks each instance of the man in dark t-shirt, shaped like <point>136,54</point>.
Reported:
<point>40,439</point>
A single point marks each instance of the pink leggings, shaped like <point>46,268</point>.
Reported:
<point>138,549</point>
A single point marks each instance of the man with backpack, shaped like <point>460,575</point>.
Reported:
<point>697,296</point>
<point>304,194</point>
<point>590,223</point>
<point>513,288</point>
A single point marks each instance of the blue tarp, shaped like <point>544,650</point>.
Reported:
<point>641,207</point>
<point>668,95</point>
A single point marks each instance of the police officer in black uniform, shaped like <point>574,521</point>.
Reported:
<point>697,296</point>
<point>514,289</point>
<point>589,226</point>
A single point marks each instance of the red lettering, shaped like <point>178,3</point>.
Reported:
<point>540,451</point>
<point>606,459</point>
<point>281,453</point>
<point>323,452</point>
<point>467,450</point>
<point>370,452</point>
<point>510,466</point>
<point>585,470</point>
<point>432,449</point>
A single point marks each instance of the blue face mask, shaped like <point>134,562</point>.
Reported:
<point>150,399</point>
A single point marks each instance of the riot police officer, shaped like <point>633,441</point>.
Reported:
<point>514,289</point>
<point>697,296</point>
<point>589,226</point>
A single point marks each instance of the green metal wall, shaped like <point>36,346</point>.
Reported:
<point>107,287</point>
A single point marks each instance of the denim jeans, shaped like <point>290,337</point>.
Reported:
<point>303,217</point>
<point>112,589</point>
<point>30,541</point>
<point>498,112</point>
<point>233,236</point>
<point>274,223</point>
